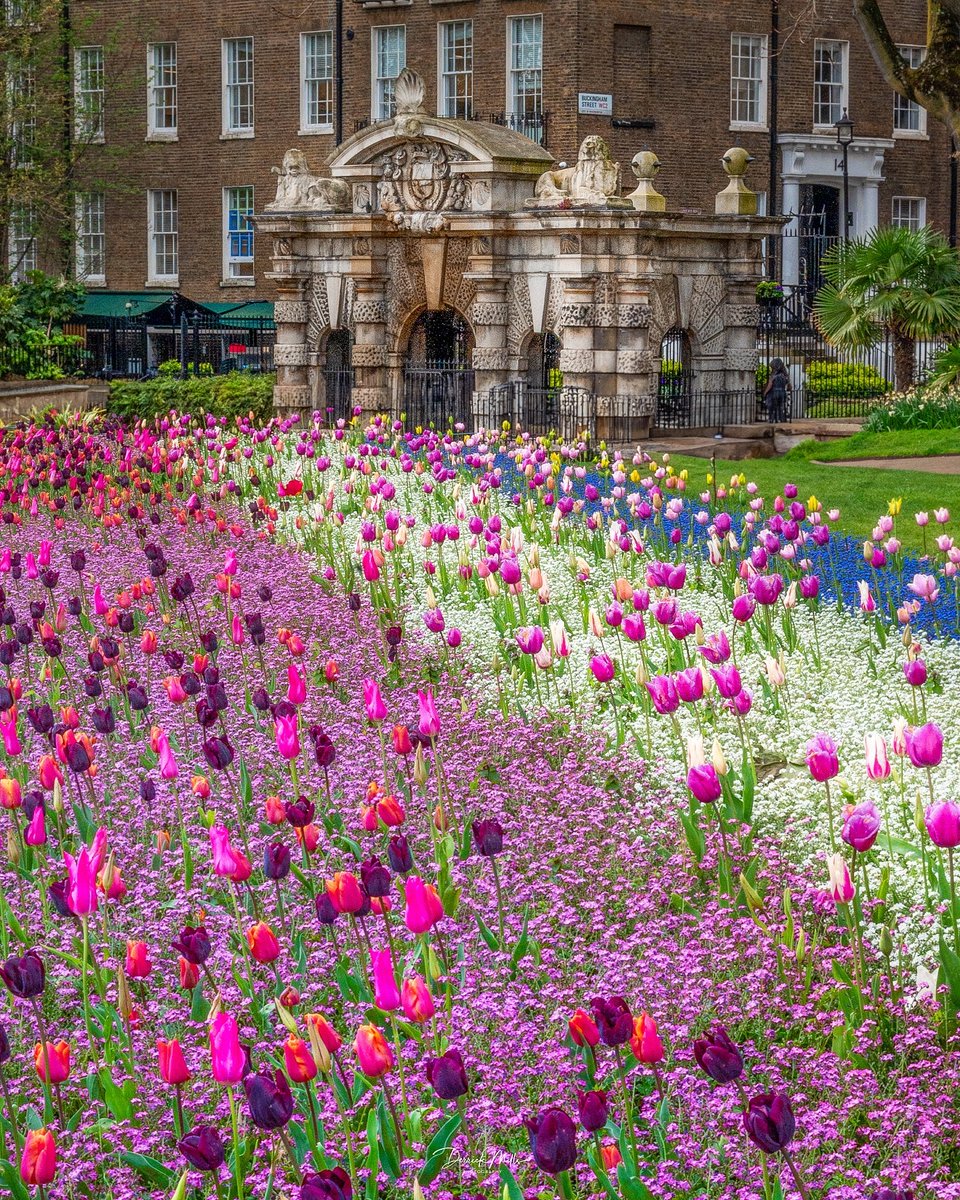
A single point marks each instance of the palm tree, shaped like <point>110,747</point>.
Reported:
<point>897,281</point>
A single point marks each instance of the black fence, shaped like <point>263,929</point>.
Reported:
<point>134,348</point>
<point>338,385</point>
<point>437,395</point>
<point>708,410</point>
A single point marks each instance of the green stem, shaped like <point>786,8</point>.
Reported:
<point>234,1125</point>
<point>496,881</point>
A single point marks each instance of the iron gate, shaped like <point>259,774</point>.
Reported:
<point>437,395</point>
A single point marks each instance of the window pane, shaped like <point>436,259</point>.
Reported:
<point>22,242</point>
<point>909,117</point>
<point>909,212</point>
<point>456,66</point>
<point>239,85</point>
<point>89,92</point>
<point>390,57</point>
<point>163,86</point>
<point>829,98</point>
<point>91,239</point>
<point>526,66</point>
<point>163,210</point>
<point>239,233</point>
<point>746,79</point>
<point>317,80</point>
<point>23,116</point>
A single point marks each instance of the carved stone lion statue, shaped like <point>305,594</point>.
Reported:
<point>297,188</point>
<point>594,180</point>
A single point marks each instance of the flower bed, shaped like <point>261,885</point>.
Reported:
<point>390,730</point>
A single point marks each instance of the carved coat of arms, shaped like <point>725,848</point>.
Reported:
<point>418,177</point>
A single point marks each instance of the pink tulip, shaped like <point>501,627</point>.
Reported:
<point>704,783</point>
<point>841,886</point>
<point>861,827</point>
<point>373,701</point>
<point>925,587</point>
<point>81,883</point>
<point>36,833</point>
<point>822,759</point>
<point>288,739</point>
<point>226,861</point>
<point>296,685</point>
<point>386,995</point>
<point>875,751</point>
<point>422,906</point>
<point>429,724</point>
<point>925,745</point>
<point>168,763</point>
<point>603,668</point>
<point>227,1057</point>
<point>943,824</point>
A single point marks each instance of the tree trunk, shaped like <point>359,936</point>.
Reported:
<point>904,360</point>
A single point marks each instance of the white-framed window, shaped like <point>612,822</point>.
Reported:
<point>91,246</point>
<point>748,80</point>
<point>455,47</point>
<point>831,81</point>
<point>316,82</point>
<point>909,212</point>
<point>389,59</point>
<point>22,97</point>
<point>238,233</point>
<point>162,236</point>
<point>238,86</point>
<point>89,93</point>
<point>13,11</point>
<point>162,89</point>
<point>908,116</point>
<point>22,242</point>
<point>525,67</point>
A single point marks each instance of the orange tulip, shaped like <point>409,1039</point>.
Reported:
<point>261,939</point>
<point>298,1060</point>
<point>58,1054</point>
<point>138,964</point>
<point>373,1051</point>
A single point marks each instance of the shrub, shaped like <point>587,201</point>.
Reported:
<point>763,374</point>
<point>921,408</point>
<point>769,289</point>
<point>945,374</point>
<point>233,395</point>
<point>844,381</point>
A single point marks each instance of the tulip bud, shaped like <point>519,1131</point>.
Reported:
<point>13,847</point>
<point>718,759</point>
<point>124,999</point>
<point>420,772</point>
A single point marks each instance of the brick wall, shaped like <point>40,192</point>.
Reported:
<point>670,63</point>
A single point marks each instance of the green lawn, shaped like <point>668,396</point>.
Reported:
<point>862,494</point>
<point>908,443</point>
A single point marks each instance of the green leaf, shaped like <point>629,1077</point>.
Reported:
<point>523,942</point>
<point>119,1100</point>
<point>487,933</point>
<point>630,1187</point>
<point>695,838</point>
<point>199,1005</point>
<point>442,1139</point>
<point>150,1169</point>
<point>246,787</point>
<point>11,1177</point>
<point>510,1186</point>
<point>951,972</point>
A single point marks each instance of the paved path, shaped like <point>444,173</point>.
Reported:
<point>943,464</point>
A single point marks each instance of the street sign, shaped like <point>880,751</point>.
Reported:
<point>595,104</point>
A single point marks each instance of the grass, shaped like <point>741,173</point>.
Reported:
<point>906,443</point>
<point>862,494</point>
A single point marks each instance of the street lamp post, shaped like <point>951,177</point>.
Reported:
<point>844,128</point>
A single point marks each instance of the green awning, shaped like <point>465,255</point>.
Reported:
<point>114,304</point>
<point>236,314</point>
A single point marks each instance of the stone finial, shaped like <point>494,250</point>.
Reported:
<point>594,180</point>
<point>298,189</point>
<point>736,199</point>
<point>409,91</point>
<point>646,198</point>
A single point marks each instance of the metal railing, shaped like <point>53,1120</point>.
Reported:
<point>707,410</point>
<point>338,401</point>
<point>437,396</point>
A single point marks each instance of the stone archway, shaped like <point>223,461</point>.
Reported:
<point>438,376</point>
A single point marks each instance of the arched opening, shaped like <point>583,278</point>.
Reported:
<point>338,376</point>
<point>543,361</point>
<point>675,378</point>
<point>438,377</point>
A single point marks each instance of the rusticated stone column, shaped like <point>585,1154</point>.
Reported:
<point>370,357</point>
<point>490,314</point>
<point>292,391</point>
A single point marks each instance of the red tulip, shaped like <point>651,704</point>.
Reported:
<point>645,1043</point>
<point>189,975</point>
<point>138,965</point>
<point>328,1035</point>
<point>372,1051</point>
<point>416,1000</point>
<point>344,892</point>
<point>583,1029</point>
<point>173,1066</point>
<point>298,1060</point>
<point>264,947</point>
<point>58,1054</point>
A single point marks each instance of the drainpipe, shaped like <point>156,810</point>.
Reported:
<point>772,206</point>
<point>338,43</point>
<point>66,135</point>
<point>954,150</point>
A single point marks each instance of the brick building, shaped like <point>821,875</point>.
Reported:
<point>196,102</point>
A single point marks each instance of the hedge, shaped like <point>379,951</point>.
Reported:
<point>236,394</point>
<point>845,381</point>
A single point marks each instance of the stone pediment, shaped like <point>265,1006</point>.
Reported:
<point>416,168</point>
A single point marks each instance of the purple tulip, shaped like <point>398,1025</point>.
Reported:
<point>613,1019</point>
<point>728,681</point>
<point>447,1076</point>
<point>553,1140</point>
<point>861,827</point>
<point>915,672</point>
<point>717,1055</point>
<point>925,745</point>
<point>663,693</point>
<point>822,758</point>
<point>769,1122</point>
<point>943,824</point>
<point>704,783</point>
<point>592,1110</point>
